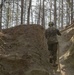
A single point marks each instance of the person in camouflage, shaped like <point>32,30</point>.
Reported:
<point>51,36</point>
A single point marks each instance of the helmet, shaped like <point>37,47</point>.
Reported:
<point>51,23</point>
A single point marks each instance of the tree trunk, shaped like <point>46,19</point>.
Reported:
<point>62,16</point>
<point>7,23</point>
<point>50,9</point>
<point>38,22</point>
<point>31,16</point>
<point>1,5</point>
<point>55,14</point>
<point>28,15</point>
<point>71,10</point>
<point>67,11</point>
<point>25,11</point>
<point>0,18</point>
<point>22,4</point>
<point>43,20</point>
<point>59,15</point>
<point>13,13</point>
<point>17,14</point>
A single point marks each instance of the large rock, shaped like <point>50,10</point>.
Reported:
<point>25,51</point>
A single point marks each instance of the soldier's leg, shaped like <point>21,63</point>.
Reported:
<point>55,53</point>
<point>50,52</point>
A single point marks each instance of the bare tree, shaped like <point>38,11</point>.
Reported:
<point>55,14</point>
<point>59,14</point>
<point>25,8</point>
<point>40,12</point>
<point>17,13</point>
<point>1,5</point>
<point>62,16</point>
<point>28,15</point>
<point>43,16</point>
<point>71,10</point>
<point>22,5</point>
<point>50,9</point>
<point>68,10</point>
<point>38,22</point>
<point>0,17</point>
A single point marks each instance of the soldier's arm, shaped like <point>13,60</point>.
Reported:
<point>58,32</point>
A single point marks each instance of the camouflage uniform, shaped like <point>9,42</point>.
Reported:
<point>51,35</point>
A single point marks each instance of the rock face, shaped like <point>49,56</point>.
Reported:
<point>25,51</point>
